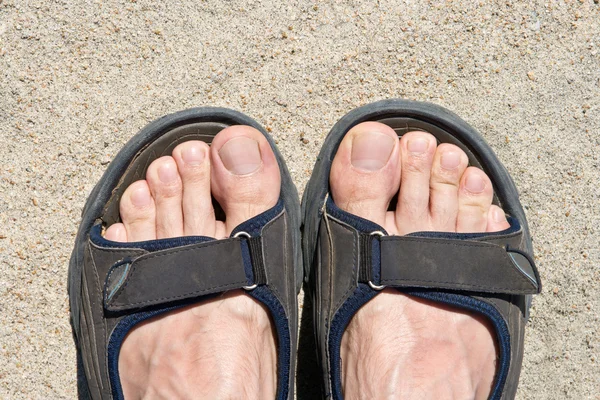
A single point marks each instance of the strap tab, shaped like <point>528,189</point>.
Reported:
<point>408,261</point>
<point>181,272</point>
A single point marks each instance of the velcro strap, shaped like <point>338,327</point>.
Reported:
<point>175,274</point>
<point>456,265</point>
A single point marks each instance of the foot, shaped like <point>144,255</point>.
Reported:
<point>219,348</point>
<point>398,346</point>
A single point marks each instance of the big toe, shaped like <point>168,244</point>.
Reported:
<point>365,173</point>
<point>245,177</point>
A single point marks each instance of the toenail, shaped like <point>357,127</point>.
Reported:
<point>193,155</point>
<point>417,145</point>
<point>450,160</point>
<point>241,155</point>
<point>498,215</point>
<point>140,197</point>
<point>474,183</point>
<point>371,150</point>
<point>167,172</point>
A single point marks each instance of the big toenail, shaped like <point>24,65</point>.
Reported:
<point>417,145</point>
<point>371,150</point>
<point>167,172</point>
<point>450,160</point>
<point>498,215</point>
<point>140,197</point>
<point>193,156</point>
<point>241,155</point>
<point>474,183</point>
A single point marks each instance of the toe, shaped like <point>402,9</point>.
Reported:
<point>138,212</point>
<point>449,163</point>
<point>365,173</point>
<point>245,177</point>
<point>116,233</point>
<point>412,212</point>
<point>474,201</point>
<point>496,220</point>
<point>193,164</point>
<point>166,188</point>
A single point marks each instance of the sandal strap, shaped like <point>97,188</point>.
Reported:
<point>452,264</point>
<point>183,272</point>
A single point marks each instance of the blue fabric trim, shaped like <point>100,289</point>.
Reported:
<point>487,310</point>
<point>148,245</point>
<point>253,226</point>
<point>282,326</point>
<point>362,294</point>
<point>515,226</point>
<point>366,226</point>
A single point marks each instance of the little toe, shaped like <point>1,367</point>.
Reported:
<point>166,188</point>
<point>412,212</point>
<point>365,173</point>
<point>193,164</point>
<point>116,233</point>
<point>474,201</point>
<point>449,164</point>
<point>245,177</point>
<point>496,220</point>
<point>138,212</point>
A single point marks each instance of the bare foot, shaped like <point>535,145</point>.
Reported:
<point>398,346</point>
<point>220,348</point>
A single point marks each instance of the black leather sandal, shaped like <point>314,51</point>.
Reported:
<point>114,286</point>
<point>348,259</point>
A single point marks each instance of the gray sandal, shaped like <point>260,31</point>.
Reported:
<point>488,273</point>
<point>114,286</point>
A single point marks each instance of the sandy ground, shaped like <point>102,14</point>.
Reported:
<point>79,78</point>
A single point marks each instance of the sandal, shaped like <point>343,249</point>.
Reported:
<point>114,286</point>
<point>492,274</point>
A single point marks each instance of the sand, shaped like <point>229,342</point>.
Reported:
<point>79,78</point>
